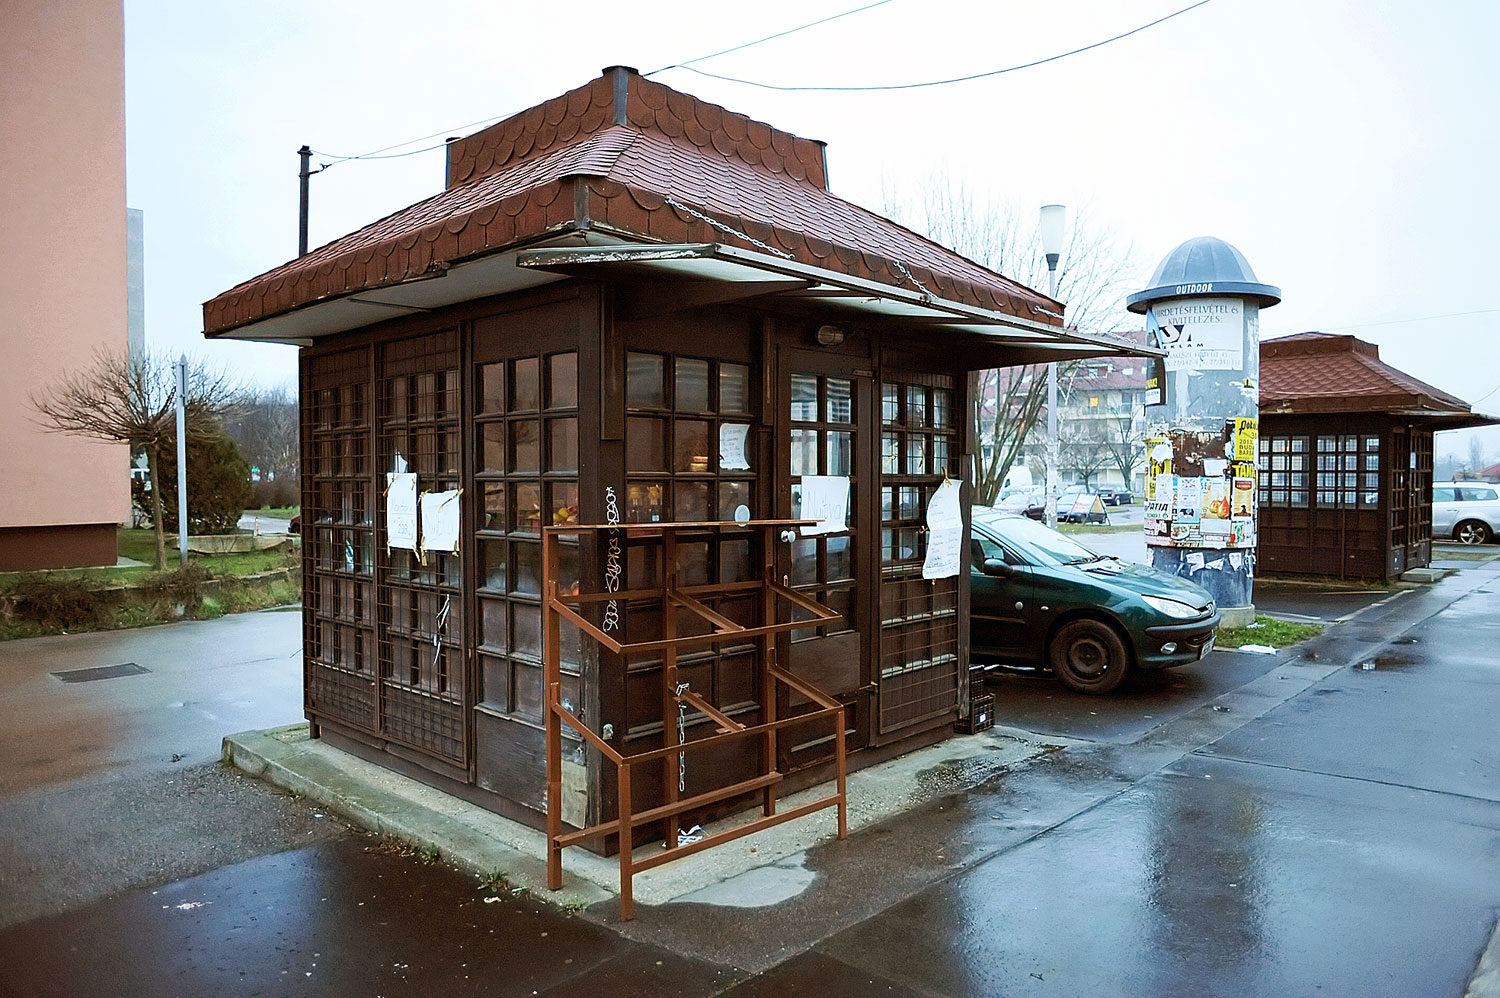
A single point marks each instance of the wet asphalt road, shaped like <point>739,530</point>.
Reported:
<point>1279,826</point>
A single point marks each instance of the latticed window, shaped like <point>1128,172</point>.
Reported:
<point>1348,470</point>
<point>526,437</point>
<point>1284,475</point>
<point>918,618</point>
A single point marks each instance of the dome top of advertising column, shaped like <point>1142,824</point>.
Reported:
<point>1204,265</point>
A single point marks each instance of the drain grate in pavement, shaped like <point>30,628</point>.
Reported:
<point>101,672</point>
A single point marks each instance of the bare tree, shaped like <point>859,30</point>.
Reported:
<point>267,431</point>
<point>1095,273</point>
<point>1082,448</point>
<point>133,402</point>
<point>1122,443</point>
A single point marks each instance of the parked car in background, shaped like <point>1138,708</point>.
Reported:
<point>1466,511</point>
<point>1040,598</point>
<point>1023,502</point>
<point>1115,497</point>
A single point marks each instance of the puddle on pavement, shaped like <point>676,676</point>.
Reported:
<point>1388,660</point>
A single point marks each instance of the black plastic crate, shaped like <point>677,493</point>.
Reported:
<point>981,714</point>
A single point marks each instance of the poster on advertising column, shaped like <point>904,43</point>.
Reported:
<point>1199,334</point>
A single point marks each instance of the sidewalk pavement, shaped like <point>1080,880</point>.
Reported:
<point>749,872</point>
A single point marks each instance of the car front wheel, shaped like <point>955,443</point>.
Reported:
<point>1089,656</point>
<point>1472,532</point>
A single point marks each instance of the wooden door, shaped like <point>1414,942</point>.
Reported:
<point>825,400</point>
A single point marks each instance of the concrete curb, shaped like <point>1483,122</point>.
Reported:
<point>482,842</point>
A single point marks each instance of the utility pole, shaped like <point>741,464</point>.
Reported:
<point>305,154</point>
<point>182,514</point>
<point>1053,216</point>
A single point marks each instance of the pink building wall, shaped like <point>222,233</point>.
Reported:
<point>62,269</point>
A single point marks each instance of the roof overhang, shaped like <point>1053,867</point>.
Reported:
<point>714,272</point>
<point>685,275</point>
<point>1399,409</point>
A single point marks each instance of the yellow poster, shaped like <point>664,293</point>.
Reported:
<point>1158,462</point>
<point>1246,437</point>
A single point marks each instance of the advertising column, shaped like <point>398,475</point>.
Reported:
<point>1203,310</point>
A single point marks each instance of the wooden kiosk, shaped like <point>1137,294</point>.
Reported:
<point>633,309</point>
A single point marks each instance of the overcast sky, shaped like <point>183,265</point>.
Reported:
<point>1349,148</point>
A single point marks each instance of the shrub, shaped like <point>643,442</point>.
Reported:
<point>69,603</point>
<point>218,486</point>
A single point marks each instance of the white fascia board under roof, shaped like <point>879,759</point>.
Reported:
<point>718,262</point>
<point>493,274</point>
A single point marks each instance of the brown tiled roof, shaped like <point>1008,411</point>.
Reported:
<point>1327,372</point>
<point>570,163</point>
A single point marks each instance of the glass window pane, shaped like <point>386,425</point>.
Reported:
<point>890,454</point>
<point>916,454</point>
<point>523,392</point>
<point>491,388</point>
<point>692,564</point>
<point>734,388</point>
<point>840,562</point>
<point>496,555</point>
<point>690,451</point>
<point>528,568</point>
<point>645,444</point>
<point>643,503</point>
<point>562,447</point>
<point>890,403</point>
<point>804,561</point>
<point>526,630</point>
<point>804,452</point>
<point>840,400</point>
<point>644,385</point>
<point>562,381</point>
<point>1372,443</point>
<point>940,455</point>
<point>492,629</point>
<point>942,407</point>
<point>525,449</point>
<point>734,561</point>
<point>916,405</point>
<point>804,398</point>
<point>527,517</point>
<point>1372,462</point>
<point>910,507</point>
<point>692,385</point>
<point>492,447</point>
<point>562,502</point>
<point>733,495</point>
<point>1327,445</point>
<point>691,501</point>
<point>494,507</point>
<point>1299,445</point>
<point>840,453</point>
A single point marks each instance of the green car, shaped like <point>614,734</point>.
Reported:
<point>1040,598</point>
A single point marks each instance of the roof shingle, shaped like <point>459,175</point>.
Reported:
<point>569,162</point>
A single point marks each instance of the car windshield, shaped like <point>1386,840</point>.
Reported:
<point>1040,541</point>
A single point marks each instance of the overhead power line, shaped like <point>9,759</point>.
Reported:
<point>780,34</point>
<point>955,79</point>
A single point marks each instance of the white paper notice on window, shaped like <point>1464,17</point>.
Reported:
<point>825,498</point>
<point>945,533</point>
<point>440,521</point>
<point>732,453</point>
<point>401,511</point>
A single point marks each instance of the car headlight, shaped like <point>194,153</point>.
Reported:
<point>1171,607</point>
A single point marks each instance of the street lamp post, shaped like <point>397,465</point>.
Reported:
<point>1053,216</point>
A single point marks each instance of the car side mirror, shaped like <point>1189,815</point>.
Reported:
<point>997,568</point>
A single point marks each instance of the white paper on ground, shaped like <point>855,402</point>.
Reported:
<point>440,521</point>
<point>401,511</point>
<point>1258,649</point>
<point>945,533</point>
<point>825,498</point>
